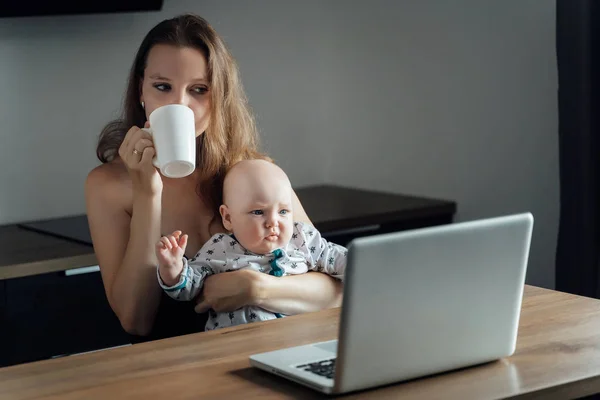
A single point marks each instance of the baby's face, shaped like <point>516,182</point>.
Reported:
<point>261,217</point>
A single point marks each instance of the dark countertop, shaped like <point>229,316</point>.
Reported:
<point>24,252</point>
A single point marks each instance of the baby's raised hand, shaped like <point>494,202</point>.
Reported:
<point>169,251</point>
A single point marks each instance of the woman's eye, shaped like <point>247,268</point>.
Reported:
<point>163,87</point>
<point>200,90</point>
<point>256,212</point>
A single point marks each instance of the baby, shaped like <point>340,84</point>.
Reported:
<point>257,210</point>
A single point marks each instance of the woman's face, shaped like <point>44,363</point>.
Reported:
<point>177,75</point>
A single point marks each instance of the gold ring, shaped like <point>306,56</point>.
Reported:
<point>136,152</point>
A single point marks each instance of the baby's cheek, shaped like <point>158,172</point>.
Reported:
<point>253,231</point>
<point>286,236</point>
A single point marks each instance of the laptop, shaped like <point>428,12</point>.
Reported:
<point>418,303</point>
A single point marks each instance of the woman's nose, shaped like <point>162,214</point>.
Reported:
<point>181,98</point>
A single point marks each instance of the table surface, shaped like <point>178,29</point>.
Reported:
<point>557,356</point>
<point>25,252</point>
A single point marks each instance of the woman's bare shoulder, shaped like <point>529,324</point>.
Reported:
<point>109,181</point>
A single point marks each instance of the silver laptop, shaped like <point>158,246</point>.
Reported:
<point>417,303</point>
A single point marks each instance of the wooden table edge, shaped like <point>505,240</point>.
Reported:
<point>575,389</point>
<point>47,266</point>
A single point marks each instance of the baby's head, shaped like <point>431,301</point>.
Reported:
<point>257,205</point>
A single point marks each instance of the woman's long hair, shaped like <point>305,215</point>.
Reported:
<point>231,135</point>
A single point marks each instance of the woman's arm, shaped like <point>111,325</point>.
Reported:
<point>293,294</point>
<point>299,213</point>
<point>124,246</point>
<point>297,294</point>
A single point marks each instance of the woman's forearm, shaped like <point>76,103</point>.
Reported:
<point>296,294</point>
<point>135,291</point>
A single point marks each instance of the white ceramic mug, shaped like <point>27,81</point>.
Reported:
<point>174,134</point>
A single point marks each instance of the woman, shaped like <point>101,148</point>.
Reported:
<point>129,203</point>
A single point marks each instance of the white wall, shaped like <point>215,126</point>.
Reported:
<point>455,100</point>
<point>445,99</point>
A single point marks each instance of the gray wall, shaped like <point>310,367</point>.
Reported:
<point>445,99</point>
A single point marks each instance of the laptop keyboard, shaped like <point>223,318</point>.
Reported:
<point>325,368</point>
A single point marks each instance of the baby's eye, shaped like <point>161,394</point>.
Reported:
<point>256,212</point>
<point>163,87</point>
<point>284,212</point>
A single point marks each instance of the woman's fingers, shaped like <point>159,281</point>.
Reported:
<point>127,138</point>
<point>147,156</point>
<point>137,149</point>
<point>202,306</point>
<point>137,153</point>
<point>133,136</point>
<point>142,143</point>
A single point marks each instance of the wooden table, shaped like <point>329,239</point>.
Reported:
<point>557,356</point>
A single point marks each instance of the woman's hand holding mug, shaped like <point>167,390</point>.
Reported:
<point>137,152</point>
<point>169,146</point>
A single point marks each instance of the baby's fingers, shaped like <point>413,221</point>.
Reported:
<point>166,243</point>
<point>173,242</point>
<point>183,241</point>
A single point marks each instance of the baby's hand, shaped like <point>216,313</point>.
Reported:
<point>169,251</point>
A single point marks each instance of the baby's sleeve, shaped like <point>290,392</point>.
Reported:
<point>324,256</point>
<point>211,259</point>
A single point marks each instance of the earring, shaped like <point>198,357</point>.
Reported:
<point>143,105</point>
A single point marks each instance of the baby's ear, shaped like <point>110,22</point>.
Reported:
<point>226,217</point>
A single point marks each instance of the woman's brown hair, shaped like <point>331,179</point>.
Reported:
<point>231,135</point>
